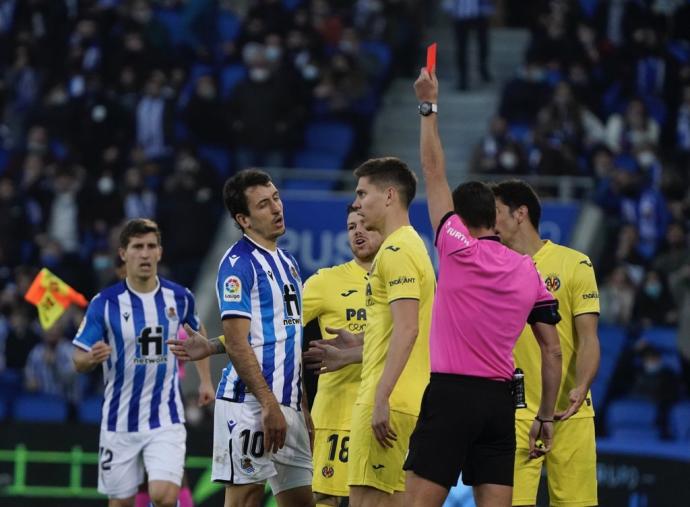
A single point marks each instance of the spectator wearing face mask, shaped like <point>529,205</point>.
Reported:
<point>497,152</point>
<point>204,113</point>
<point>654,305</point>
<point>675,253</point>
<point>633,129</point>
<point>616,298</point>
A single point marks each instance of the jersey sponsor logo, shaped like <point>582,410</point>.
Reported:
<point>401,280</point>
<point>393,248</point>
<point>591,295</point>
<point>369,298</point>
<point>356,319</point>
<point>150,346</point>
<point>233,260</point>
<point>232,289</point>
<point>348,292</point>
<point>586,263</point>
<point>327,471</point>
<point>231,426</point>
<point>552,282</point>
<point>291,302</point>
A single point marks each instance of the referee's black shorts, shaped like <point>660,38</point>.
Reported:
<point>465,424</point>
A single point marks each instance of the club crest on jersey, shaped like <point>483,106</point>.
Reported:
<point>172,313</point>
<point>552,282</point>
<point>327,471</point>
<point>293,271</point>
<point>246,465</point>
<point>232,290</point>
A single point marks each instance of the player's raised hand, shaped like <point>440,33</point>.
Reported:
<point>426,86</point>
<point>322,357</point>
<point>275,426</point>
<point>195,347</point>
<point>100,352</point>
<point>343,338</point>
<point>540,438</point>
<point>577,396</point>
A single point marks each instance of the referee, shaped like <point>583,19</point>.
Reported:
<point>486,292</point>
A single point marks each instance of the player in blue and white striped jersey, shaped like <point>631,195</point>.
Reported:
<point>126,328</point>
<point>261,419</point>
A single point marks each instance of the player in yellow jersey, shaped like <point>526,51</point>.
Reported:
<point>336,297</point>
<point>569,276</point>
<point>395,354</point>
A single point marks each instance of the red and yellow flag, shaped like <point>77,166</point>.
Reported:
<point>52,297</point>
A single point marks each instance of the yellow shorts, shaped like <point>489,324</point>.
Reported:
<point>331,449</point>
<point>571,465</point>
<point>371,464</point>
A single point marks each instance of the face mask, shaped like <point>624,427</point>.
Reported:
<point>508,159</point>
<point>347,47</point>
<point>259,74</point>
<point>310,72</point>
<point>273,53</point>
<point>101,263</point>
<point>646,158</point>
<point>653,290</point>
<point>652,366</point>
<point>106,185</point>
<point>207,92</point>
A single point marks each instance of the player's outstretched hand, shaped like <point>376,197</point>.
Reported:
<point>195,347</point>
<point>540,438</point>
<point>100,352</point>
<point>426,87</point>
<point>275,426</point>
<point>343,339</point>
<point>380,423</point>
<point>322,357</point>
<point>577,396</point>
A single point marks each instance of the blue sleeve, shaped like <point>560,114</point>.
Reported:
<point>191,318</point>
<point>92,327</point>
<point>234,288</point>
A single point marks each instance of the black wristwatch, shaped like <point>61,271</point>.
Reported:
<point>426,108</point>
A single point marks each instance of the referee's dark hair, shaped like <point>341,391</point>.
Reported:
<point>474,202</point>
<point>390,171</point>
<point>234,189</point>
<point>516,193</point>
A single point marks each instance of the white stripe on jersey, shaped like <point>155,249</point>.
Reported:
<point>170,375</point>
<point>297,359</point>
<point>128,330</point>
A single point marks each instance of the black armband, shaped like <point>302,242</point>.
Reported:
<point>545,312</point>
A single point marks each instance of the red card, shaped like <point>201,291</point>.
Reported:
<point>431,58</point>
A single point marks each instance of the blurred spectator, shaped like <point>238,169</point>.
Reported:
<point>676,251</point>
<point>139,201</point>
<point>630,131</point>
<point>654,304</point>
<point>470,15</point>
<point>204,113</point>
<point>49,367</point>
<point>14,223</point>
<point>497,152</point>
<point>154,118</point>
<point>683,127</point>
<point>21,336</point>
<point>526,94</point>
<point>616,297</point>
<point>63,211</point>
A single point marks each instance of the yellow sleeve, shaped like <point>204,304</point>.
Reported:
<point>585,294</point>
<point>312,297</point>
<point>400,274</point>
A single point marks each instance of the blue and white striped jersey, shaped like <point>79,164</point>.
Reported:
<point>142,388</point>
<point>266,288</point>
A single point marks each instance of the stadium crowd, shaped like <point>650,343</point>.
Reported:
<point>604,93</point>
<point>114,109</point>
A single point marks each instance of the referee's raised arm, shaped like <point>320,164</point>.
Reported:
<point>438,194</point>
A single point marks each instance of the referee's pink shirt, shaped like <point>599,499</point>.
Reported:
<point>484,295</point>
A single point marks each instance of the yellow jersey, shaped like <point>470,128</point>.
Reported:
<point>569,276</point>
<point>401,270</point>
<point>336,296</point>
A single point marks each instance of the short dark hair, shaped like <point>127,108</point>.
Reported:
<point>234,189</point>
<point>390,171</point>
<point>138,227</point>
<point>474,202</point>
<point>516,193</point>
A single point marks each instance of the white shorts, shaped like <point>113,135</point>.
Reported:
<point>124,456</point>
<point>239,456</point>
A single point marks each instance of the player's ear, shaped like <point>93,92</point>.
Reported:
<point>243,220</point>
<point>121,253</point>
<point>522,213</point>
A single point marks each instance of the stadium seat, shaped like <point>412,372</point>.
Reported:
<point>521,132</point>
<point>317,159</point>
<point>332,137</point>
<point>218,157</point>
<point>382,52</point>
<point>611,339</point>
<point>632,418</point>
<point>229,26</point>
<point>679,421</point>
<point>297,184</point>
<point>40,408</point>
<point>10,383</point>
<point>230,77</point>
<point>174,24</point>
<point>90,410</point>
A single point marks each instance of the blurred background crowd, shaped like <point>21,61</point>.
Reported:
<point>113,109</point>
